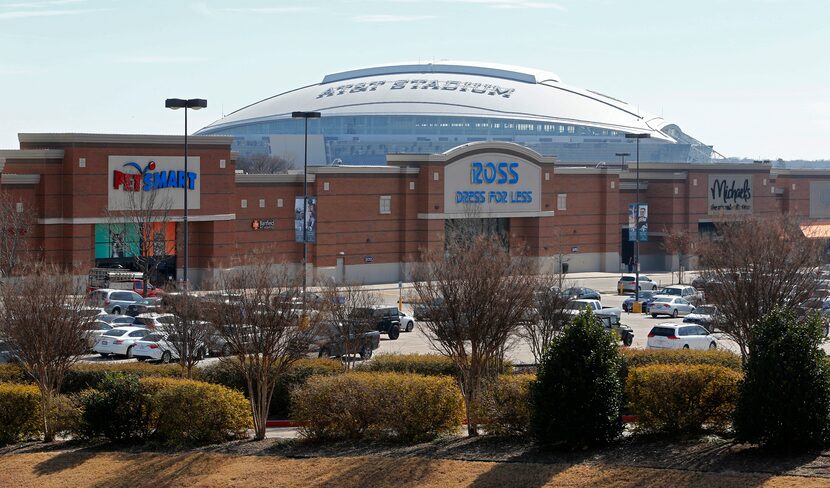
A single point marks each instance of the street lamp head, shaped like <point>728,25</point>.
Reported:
<point>193,103</point>
<point>643,135</point>
<point>197,103</point>
<point>305,115</point>
<point>622,154</point>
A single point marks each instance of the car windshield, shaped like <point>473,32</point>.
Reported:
<point>664,299</point>
<point>670,291</point>
<point>152,338</point>
<point>143,321</point>
<point>576,306</point>
<point>115,332</point>
<point>627,278</point>
<point>646,294</point>
<point>662,331</point>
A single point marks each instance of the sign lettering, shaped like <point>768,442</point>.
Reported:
<point>449,85</point>
<point>730,194</point>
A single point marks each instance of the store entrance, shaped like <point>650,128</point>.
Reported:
<point>626,252</point>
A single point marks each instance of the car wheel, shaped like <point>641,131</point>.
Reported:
<point>394,333</point>
<point>674,314</point>
<point>366,353</point>
<point>200,354</point>
<point>129,354</point>
<point>166,357</point>
<point>324,353</point>
<point>411,325</point>
<point>713,345</point>
<point>654,315</point>
<point>105,354</point>
<point>685,346</point>
<point>116,310</point>
<point>226,349</point>
<point>627,340</point>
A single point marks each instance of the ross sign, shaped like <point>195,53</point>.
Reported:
<point>490,183</point>
<point>638,222</point>
<point>418,84</point>
<point>162,176</point>
<point>262,224</point>
<point>819,199</point>
<point>310,221</point>
<point>730,194</point>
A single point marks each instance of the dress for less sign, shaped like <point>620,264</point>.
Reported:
<point>491,183</point>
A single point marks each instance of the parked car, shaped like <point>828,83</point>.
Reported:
<point>669,305</point>
<point>689,293</point>
<point>422,311</point>
<point>581,293</point>
<point>331,340</point>
<point>680,336</point>
<point>94,331</point>
<point>574,307</point>
<point>116,320</point>
<point>119,341</point>
<point>623,333</point>
<point>407,322</point>
<point>384,320</point>
<point>705,315</point>
<point>145,305</point>
<point>7,355</point>
<point>154,320</point>
<point>161,346</point>
<point>646,298</point>
<point>628,283</point>
<point>113,301</point>
<point>218,345</point>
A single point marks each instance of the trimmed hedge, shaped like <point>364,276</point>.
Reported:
<point>677,398</point>
<point>404,407</point>
<point>19,412</point>
<point>425,364</point>
<point>634,358</point>
<point>117,409</point>
<point>505,405</point>
<point>86,375</point>
<point>12,373</point>
<point>189,412</point>
<point>226,373</point>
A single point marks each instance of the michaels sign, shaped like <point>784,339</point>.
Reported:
<point>730,194</point>
<point>418,84</point>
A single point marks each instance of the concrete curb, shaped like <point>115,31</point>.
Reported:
<point>285,424</point>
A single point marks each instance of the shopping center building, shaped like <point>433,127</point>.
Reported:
<point>369,222</point>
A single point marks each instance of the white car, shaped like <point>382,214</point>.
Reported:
<point>157,346</point>
<point>669,305</point>
<point>629,282</point>
<point>119,341</point>
<point>680,336</point>
<point>688,293</point>
<point>407,321</point>
<point>94,331</point>
<point>154,320</point>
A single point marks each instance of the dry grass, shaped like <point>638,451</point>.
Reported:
<point>81,469</point>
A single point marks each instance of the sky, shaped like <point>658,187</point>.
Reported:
<point>751,77</point>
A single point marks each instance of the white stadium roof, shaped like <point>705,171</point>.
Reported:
<point>452,89</point>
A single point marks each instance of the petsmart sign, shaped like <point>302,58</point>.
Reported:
<point>164,176</point>
<point>491,183</point>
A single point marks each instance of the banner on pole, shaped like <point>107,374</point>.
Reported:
<point>638,222</point>
<point>305,227</point>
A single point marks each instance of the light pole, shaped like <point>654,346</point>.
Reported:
<point>637,219</point>
<point>622,159</point>
<point>306,116</point>
<point>195,104</point>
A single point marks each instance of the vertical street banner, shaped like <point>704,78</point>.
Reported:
<point>637,222</point>
<point>310,220</point>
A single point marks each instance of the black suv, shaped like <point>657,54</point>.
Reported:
<point>386,319</point>
<point>332,340</point>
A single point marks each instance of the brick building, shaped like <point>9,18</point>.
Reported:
<point>369,222</point>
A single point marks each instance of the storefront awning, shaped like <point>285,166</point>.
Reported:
<point>816,230</point>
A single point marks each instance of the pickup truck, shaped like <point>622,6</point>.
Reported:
<point>574,307</point>
<point>117,279</point>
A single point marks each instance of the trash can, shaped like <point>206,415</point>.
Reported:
<point>637,307</point>
<point>564,268</point>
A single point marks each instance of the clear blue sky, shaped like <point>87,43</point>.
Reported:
<point>751,77</point>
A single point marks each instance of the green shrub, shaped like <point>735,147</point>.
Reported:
<point>425,364</point>
<point>784,400</point>
<point>227,373</point>
<point>505,405</point>
<point>12,373</point>
<point>84,376</point>
<point>360,405</point>
<point>19,412</point>
<point>682,398</point>
<point>634,358</point>
<point>188,412</point>
<point>578,394</point>
<point>117,409</point>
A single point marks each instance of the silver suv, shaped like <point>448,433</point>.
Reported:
<point>113,301</point>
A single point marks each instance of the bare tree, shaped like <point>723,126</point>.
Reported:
<point>755,265</point>
<point>476,295</point>
<point>148,213</point>
<point>42,321</point>
<point>681,243</point>
<point>263,164</point>
<point>350,307</point>
<point>16,222</point>
<point>263,329</point>
<point>189,333</point>
<point>549,315</point>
